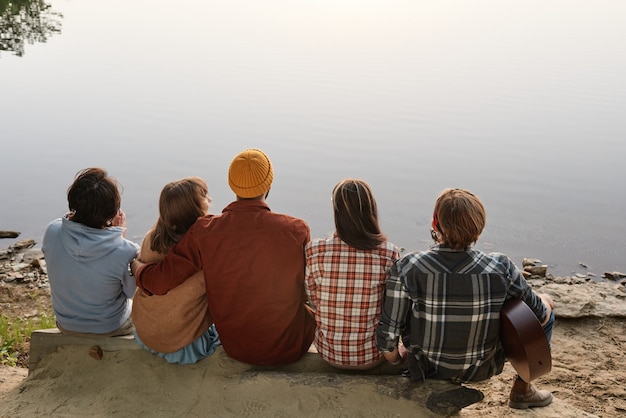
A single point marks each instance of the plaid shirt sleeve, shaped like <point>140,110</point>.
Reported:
<point>311,273</point>
<point>520,289</point>
<point>396,304</point>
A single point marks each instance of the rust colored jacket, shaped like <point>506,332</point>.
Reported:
<point>253,263</point>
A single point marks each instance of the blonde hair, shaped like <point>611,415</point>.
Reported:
<point>180,204</point>
<point>459,218</point>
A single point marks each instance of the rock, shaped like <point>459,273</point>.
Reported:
<point>12,277</point>
<point>614,275</point>
<point>43,267</point>
<point>31,255</point>
<point>5,254</point>
<point>536,283</point>
<point>23,244</point>
<point>9,234</point>
<point>537,270</point>
<point>580,280</point>
<point>589,299</point>
<point>21,266</point>
<point>530,262</point>
<point>96,352</point>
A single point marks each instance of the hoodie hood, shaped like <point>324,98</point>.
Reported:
<point>84,243</point>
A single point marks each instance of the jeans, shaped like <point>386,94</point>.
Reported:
<point>202,347</point>
<point>547,328</point>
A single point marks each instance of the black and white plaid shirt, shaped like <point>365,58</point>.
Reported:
<point>447,304</point>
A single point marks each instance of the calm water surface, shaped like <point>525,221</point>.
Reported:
<point>521,102</point>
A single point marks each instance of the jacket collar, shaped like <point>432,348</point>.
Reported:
<point>246,206</point>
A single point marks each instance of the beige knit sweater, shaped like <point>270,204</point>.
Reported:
<point>169,322</point>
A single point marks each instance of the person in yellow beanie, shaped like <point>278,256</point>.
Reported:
<point>250,174</point>
<point>253,263</point>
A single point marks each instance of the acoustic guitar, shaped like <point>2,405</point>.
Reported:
<point>524,342</point>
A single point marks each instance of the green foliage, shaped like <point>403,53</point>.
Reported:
<point>14,335</point>
<point>26,22</point>
<point>8,357</point>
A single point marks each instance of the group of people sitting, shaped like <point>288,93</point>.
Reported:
<point>255,282</point>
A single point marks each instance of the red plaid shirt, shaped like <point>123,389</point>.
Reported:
<point>346,286</point>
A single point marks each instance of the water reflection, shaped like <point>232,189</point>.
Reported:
<point>412,96</point>
<point>26,21</point>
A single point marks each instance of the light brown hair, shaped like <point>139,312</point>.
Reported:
<point>181,203</point>
<point>459,218</point>
<point>356,215</point>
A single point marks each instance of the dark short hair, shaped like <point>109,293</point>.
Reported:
<point>356,215</point>
<point>94,198</point>
<point>462,218</point>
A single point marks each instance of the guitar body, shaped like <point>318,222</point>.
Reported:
<point>524,342</point>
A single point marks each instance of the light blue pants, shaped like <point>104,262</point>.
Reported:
<point>547,328</point>
<point>202,347</point>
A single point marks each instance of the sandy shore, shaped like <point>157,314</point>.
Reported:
<point>588,378</point>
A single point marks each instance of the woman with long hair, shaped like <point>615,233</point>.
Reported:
<point>176,326</point>
<point>345,279</point>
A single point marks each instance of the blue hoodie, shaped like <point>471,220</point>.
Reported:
<point>88,271</point>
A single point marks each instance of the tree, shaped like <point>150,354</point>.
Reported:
<point>26,21</point>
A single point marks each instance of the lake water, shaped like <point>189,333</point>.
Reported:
<point>521,102</point>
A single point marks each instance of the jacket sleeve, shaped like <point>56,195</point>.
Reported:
<point>182,261</point>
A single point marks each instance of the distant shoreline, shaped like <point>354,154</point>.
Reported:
<point>529,266</point>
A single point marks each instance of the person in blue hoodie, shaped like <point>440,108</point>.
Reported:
<point>87,256</point>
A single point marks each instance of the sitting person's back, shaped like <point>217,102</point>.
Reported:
<point>253,262</point>
<point>176,326</point>
<point>459,294</point>
<point>445,303</point>
<point>87,259</point>
<point>345,279</point>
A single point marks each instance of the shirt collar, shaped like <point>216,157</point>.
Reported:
<point>246,206</point>
<point>445,249</point>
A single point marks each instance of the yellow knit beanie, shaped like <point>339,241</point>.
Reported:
<point>250,173</point>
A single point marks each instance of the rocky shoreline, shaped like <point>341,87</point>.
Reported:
<point>591,312</point>
<point>575,296</point>
<point>21,263</point>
